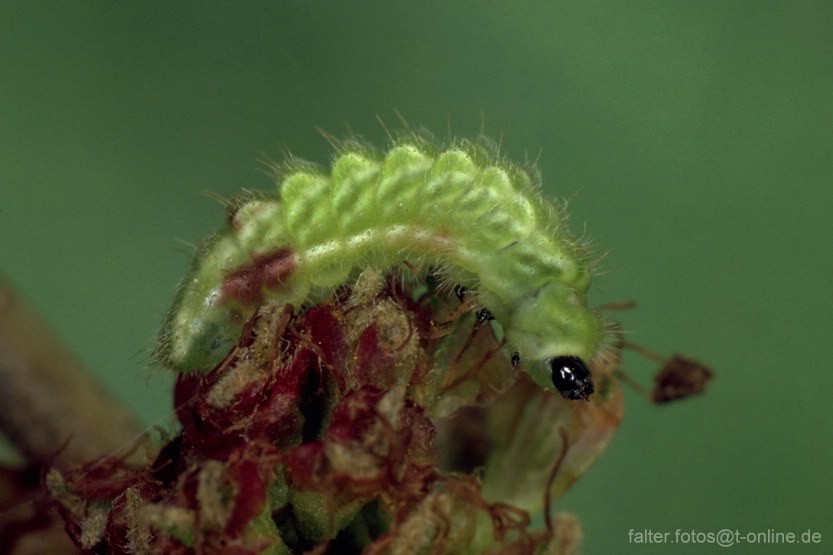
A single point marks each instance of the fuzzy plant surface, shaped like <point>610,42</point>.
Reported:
<point>392,356</point>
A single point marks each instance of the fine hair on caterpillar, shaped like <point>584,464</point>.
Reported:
<point>459,207</point>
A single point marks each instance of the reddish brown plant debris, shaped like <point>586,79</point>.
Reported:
<point>680,377</point>
<point>318,431</point>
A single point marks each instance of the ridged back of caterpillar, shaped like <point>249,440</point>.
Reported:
<point>484,217</point>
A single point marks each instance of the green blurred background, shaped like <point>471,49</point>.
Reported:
<point>694,138</point>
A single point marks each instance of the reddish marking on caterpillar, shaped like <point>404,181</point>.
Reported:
<point>247,283</point>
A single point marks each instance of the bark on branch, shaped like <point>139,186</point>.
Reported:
<point>50,406</point>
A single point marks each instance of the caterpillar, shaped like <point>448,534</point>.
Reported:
<point>460,206</point>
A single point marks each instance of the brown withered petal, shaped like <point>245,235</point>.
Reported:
<point>679,378</point>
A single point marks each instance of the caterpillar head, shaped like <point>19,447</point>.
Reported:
<point>571,377</point>
<point>557,335</point>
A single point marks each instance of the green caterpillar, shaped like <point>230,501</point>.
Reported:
<point>480,218</point>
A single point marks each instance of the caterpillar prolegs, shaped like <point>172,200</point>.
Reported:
<point>460,207</point>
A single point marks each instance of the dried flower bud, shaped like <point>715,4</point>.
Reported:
<point>354,424</point>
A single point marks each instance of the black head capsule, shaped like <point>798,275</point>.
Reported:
<point>483,315</point>
<point>571,377</point>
